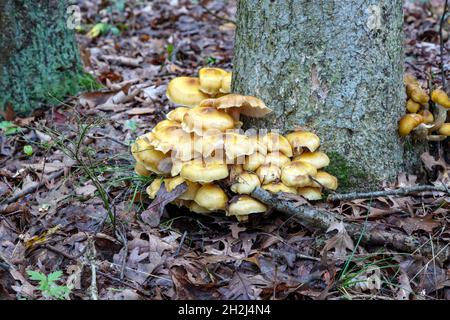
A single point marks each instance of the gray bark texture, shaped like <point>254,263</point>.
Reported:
<point>330,67</point>
<point>39,60</point>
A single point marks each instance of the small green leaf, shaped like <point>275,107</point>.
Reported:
<point>35,275</point>
<point>28,150</point>
<point>9,128</point>
<point>55,276</point>
<point>170,49</point>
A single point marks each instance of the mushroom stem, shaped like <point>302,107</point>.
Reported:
<point>440,116</point>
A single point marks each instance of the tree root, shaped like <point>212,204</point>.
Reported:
<point>384,193</point>
<point>370,233</point>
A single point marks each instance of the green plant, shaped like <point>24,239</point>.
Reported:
<point>48,286</point>
<point>28,150</point>
<point>8,128</point>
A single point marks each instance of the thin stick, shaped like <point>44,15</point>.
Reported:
<point>177,253</point>
<point>441,42</point>
<point>34,187</point>
<point>396,192</point>
<point>216,15</point>
<point>368,233</point>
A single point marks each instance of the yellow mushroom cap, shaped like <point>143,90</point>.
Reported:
<point>416,93</point>
<point>153,188</point>
<point>268,173</point>
<point>140,169</point>
<point>245,183</point>
<point>202,119</point>
<point>310,193</point>
<point>153,160</point>
<point>208,143</point>
<point>445,129</point>
<point>254,161</point>
<point>412,106</point>
<point>303,139</point>
<point>195,207</point>
<point>185,91</point>
<point>279,187</point>
<point>324,179</point>
<point>277,158</point>
<point>237,145</point>
<point>408,122</point>
<point>174,138</point>
<point>192,187</point>
<point>211,197</point>
<point>211,80</point>
<point>177,114</point>
<point>276,142</point>
<point>245,205</point>
<point>297,174</point>
<point>410,79</point>
<point>427,116</point>
<point>317,158</point>
<point>204,171</point>
<point>440,97</point>
<point>226,83</point>
<point>247,105</point>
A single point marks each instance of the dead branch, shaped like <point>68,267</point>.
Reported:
<point>33,187</point>
<point>369,232</point>
<point>396,192</point>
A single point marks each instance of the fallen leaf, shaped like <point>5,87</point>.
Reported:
<point>340,242</point>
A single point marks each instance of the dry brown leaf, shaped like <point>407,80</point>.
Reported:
<point>340,243</point>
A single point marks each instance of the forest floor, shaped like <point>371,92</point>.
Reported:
<point>65,172</point>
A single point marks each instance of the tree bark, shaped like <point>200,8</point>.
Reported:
<point>39,60</point>
<point>330,67</point>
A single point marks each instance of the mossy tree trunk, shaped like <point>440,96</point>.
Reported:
<point>334,67</point>
<point>39,62</point>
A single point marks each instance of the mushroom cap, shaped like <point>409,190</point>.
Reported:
<point>416,93</point>
<point>140,169</point>
<point>324,179</point>
<point>428,117</point>
<point>207,144</point>
<point>276,142</point>
<point>247,105</point>
<point>297,174</point>
<point>254,161</point>
<point>237,145</point>
<point>408,122</point>
<point>445,129</point>
<point>268,173</point>
<point>310,193</point>
<point>211,197</point>
<point>174,138</point>
<point>408,78</point>
<point>153,160</point>
<point>153,188</point>
<point>165,123</point>
<point>412,106</point>
<point>279,187</point>
<point>211,80</point>
<point>192,187</point>
<point>226,83</point>
<point>177,114</point>
<point>245,205</point>
<point>245,183</point>
<point>303,139</point>
<point>441,98</point>
<point>317,158</point>
<point>202,119</point>
<point>195,207</point>
<point>204,171</point>
<point>277,158</point>
<point>185,91</point>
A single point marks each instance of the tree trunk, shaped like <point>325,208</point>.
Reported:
<point>39,60</point>
<point>334,67</point>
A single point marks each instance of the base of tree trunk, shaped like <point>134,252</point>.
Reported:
<point>39,61</point>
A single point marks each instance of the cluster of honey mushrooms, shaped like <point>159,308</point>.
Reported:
<point>201,144</point>
<point>420,120</point>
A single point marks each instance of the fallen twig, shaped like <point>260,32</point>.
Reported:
<point>369,233</point>
<point>215,15</point>
<point>384,193</point>
<point>441,43</point>
<point>33,187</point>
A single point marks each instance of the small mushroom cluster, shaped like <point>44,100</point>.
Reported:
<point>419,118</point>
<point>201,145</point>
